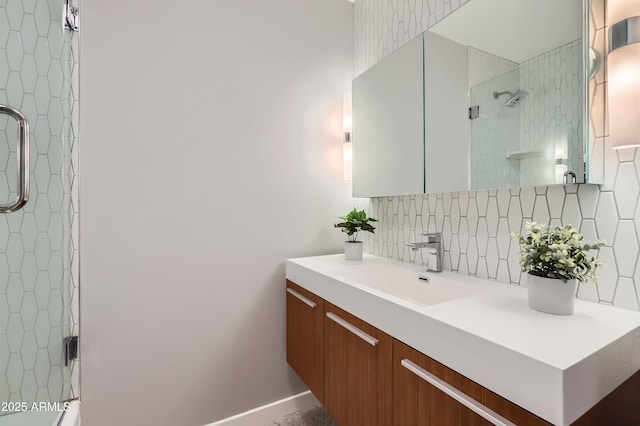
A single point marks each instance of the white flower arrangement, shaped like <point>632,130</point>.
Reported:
<point>556,253</point>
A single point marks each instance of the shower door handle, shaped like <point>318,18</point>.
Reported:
<point>23,160</point>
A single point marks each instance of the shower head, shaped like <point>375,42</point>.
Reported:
<point>514,98</point>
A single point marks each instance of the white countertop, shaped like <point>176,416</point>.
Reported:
<point>554,366</point>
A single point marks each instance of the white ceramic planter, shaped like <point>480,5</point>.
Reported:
<point>353,250</point>
<point>550,295</point>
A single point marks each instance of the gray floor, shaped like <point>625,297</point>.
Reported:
<point>30,418</point>
<point>314,416</point>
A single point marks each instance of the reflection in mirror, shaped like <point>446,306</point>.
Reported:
<point>522,68</point>
<point>530,130</point>
<point>529,94</point>
<point>388,129</point>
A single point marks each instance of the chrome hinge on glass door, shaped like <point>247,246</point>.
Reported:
<point>23,160</point>
<point>70,345</point>
<point>71,19</point>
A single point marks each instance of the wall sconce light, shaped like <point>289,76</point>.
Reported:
<point>346,141</point>
<point>623,68</point>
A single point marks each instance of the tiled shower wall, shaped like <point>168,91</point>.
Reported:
<point>549,120</point>
<point>496,131</point>
<point>551,116</point>
<point>476,224</point>
<point>35,246</point>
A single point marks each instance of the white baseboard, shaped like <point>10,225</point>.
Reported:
<point>266,413</point>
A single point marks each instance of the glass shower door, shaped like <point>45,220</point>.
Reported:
<point>35,245</point>
<point>495,135</point>
<point>534,140</point>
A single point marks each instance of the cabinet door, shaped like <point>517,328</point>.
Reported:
<point>357,370</point>
<point>421,398</point>
<point>304,336</point>
<point>417,402</point>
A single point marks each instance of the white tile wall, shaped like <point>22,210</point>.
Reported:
<point>495,133</point>
<point>485,66</point>
<point>548,120</point>
<point>35,248</point>
<point>382,26</point>
<point>476,224</point>
<point>551,116</point>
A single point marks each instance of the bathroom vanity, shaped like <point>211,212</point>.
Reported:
<point>378,346</point>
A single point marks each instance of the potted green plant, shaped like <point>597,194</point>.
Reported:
<point>555,259</point>
<point>354,222</point>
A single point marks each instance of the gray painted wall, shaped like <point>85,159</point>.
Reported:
<point>211,152</point>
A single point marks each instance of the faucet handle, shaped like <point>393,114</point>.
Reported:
<point>417,245</point>
<point>433,237</point>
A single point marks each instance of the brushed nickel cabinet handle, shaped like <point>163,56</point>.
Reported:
<point>454,393</point>
<point>297,295</point>
<point>355,330</point>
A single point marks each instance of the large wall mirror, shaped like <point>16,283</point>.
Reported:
<point>493,96</point>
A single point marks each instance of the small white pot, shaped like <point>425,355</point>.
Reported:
<point>550,295</point>
<point>353,250</point>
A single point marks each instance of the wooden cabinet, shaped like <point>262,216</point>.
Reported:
<point>304,337</point>
<point>364,377</point>
<point>417,402</point>
<point>620,407</point>
<point>357,370</point>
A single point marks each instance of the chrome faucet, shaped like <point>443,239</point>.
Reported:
<point>434,250</point>
<point>417,245</point>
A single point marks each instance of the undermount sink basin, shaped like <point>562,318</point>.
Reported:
<point>404,283</point>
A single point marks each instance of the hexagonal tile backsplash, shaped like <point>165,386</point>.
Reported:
<point>476,224</point>
<point>36,248</point>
